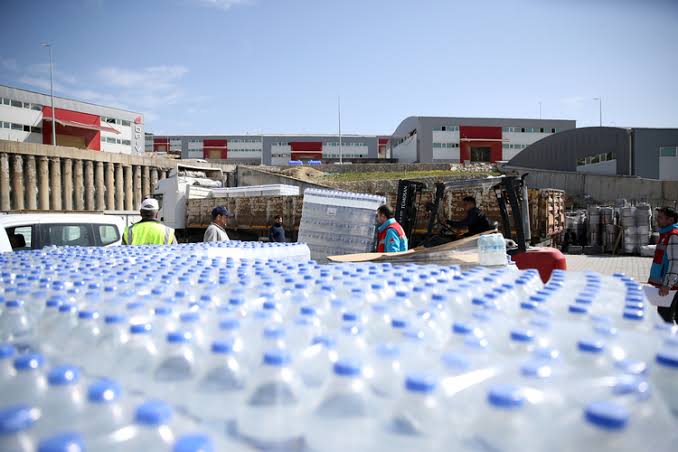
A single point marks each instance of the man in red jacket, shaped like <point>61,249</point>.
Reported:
<point>664,270</point>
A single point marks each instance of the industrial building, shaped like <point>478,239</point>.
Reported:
<point>427,139</point>
<point>642,152</point>
<point>26,116</point>
<point>270,149</point>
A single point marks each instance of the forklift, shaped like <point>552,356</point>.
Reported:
<point>510,191</point>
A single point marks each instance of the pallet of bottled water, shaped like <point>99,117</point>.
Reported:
<point>174,349</point>
<point>335,223</point>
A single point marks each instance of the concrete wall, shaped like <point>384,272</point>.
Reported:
<point>596,188</point>
<point>42,177</point>
<point>247,175</point>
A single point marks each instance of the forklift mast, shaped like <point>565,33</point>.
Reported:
<point>507,189</point>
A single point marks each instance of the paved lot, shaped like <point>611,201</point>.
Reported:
<point>634,266</point>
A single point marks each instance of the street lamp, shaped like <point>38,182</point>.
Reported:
<point>51,92</point>
<point>341,154</point>
<point>600,109</point>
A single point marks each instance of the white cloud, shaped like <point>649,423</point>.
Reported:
<point>223,5</point>
<point>155,78</point>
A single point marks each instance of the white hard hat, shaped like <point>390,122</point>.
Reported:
<point>149,204</point>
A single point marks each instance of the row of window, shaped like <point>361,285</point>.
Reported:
<point>591,159</point>
<point>514,146</point>
<point>120,122</point>
<point>20,127</point>
<point>668,151</point>
<point>446,129</point>
<point>116,141</point>
<point>344,144</point>
<point>445,145</point>
<point>19,104</point>
<point>343,155</point>
<point>529,130</point>
<point>243,150</point>
<point>245,140</point>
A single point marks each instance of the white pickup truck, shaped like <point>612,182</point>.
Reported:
<point>30,231</point>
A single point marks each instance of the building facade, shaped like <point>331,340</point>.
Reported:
<point>26,116</point>
<point>427,139</point>
<point>269,149</point>
<point>642,152</point>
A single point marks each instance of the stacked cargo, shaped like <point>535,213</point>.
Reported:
<point>334,222</point>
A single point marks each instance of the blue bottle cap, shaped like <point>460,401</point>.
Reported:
<point>274,332</point>
<point>16,418</point>
<point>538,298</point>
<point>461,328</point>
<point>140,328</point>
<point>506,396</point>
<point>546,353</point>
<point>7,351</point>
<point>387,350</point>
<point>222,346</point>
<point>103,391</point>
<point>347,368</point>
<point>276,358</point>
<point>179,337</point>
<point>62,442</point>
<point>67,307</point>
<point>63,375</point>
<point>325,341</point>
<point>633,314</point>
<point>229,324</point>
<point>667,358</point>
<point>189,317</point>
<point>607,415</point>
<point>87,314</point>
<point>522,335</point>
<point>349,316</point>
<point>114,318</point>
<point>536,368</point>
<point>420,383</point>
<point>30,361</point>
<point>590,346</point>
<point>456,361</point>
<point>631,366</point>
<point>194,442</point>
<point>153,413</point>
<point>577,309</point>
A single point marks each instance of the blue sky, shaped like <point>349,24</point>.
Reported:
<point>277,66</point>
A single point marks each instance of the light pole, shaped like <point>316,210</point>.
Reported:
<point>51,93</point>
<point>539,109</point>
<point>341,154</point>
<point>600,109</point>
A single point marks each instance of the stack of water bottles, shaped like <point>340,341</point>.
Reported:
<point>170,349</point>
<point>335,223</point>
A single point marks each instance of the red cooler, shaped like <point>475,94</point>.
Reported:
<point>545,260</point>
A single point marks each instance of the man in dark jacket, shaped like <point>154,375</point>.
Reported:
<point>277,232</point>
<point>475,219</point>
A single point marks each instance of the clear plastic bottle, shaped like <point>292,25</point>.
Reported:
<point>177,368</point>
<point>64,400</point>
<point>151,431</point>
<point>62,442</point>
<point>136,361</point>
<point>418,421</point>
<point>347,416</point>
<point>7,354</point>
<point>665,377</point>
<point>105,411</point>
<point>29,383</point>
<point>16,422</point>
<point>276,394</point>
<point>14,323</point>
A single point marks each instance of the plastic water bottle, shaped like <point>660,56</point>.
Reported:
<point>151,430</point>
<point>16,422</point>
<point>105,411</point>
<point>220,389</point>
<point>665,376</point>
<point>491,249</point>
<point>177,368</point>
<point>418,421</point>
<point>85,333</point>
<point>63,401</point>
<point>387,377</point>
<point>114,335</point>
<point>14,322</point>
<point>136,361</point>
<point>346,417</point>
<point>194,442</point>
<point>315,363</point>
<point>29,383</point>
<point>276,395</point>
<point>7,354</point>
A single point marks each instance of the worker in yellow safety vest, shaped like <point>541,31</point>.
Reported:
<point>149,231</point>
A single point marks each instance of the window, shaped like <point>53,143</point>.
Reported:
<point>5,101</point>
<point>5,125</point>
<point>27,128</point>
<point>66,235</point>
<point>36,129</point>
<point>36,107</point>
<point>108,234</point>
<point>17,126</point>
<point>109,120</point>
<point>668,151</point>
<point>125,123</point>
<point>553,130</point>
<point>16,103</point>
<point>522,129</point>
<point>20,237</point>
<point>127,142</point>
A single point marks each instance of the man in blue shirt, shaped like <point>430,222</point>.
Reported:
<point>391,236</point>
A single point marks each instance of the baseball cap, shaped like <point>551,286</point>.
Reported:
<point>149,204</point>
<point>220,210</point>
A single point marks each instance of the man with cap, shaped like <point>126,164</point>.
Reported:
<point>149,231</point>
<point>216,231</point>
